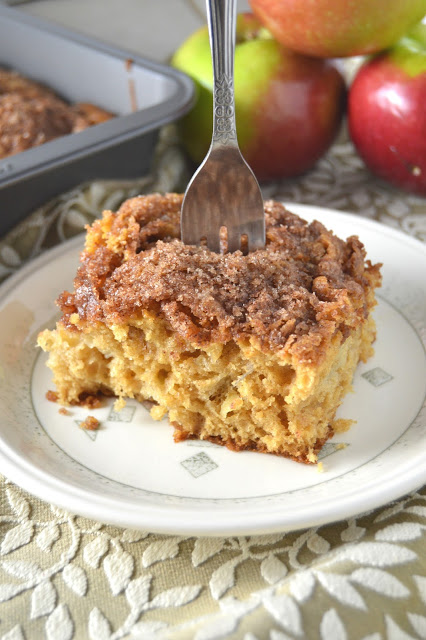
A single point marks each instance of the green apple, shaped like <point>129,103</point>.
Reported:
<point>338,28</point>
<point>288,107</point>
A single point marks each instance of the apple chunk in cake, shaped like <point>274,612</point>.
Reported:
<point>251,351</point>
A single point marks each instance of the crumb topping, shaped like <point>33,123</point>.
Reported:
<point>294,294</point>
<point>31,114</point>
<point>12,82</point>
<point>52,396</point>
<point>90,424</point>
<point>29,122</point>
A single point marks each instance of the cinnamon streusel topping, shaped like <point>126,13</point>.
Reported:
<point>31,114</point>
<point>294,294</point>
<point>29,122</point>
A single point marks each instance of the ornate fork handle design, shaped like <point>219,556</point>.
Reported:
<point>223,206</point>
<point>224,130</point>
<point>222,40</point>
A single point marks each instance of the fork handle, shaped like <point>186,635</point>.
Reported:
<point>221,16</point>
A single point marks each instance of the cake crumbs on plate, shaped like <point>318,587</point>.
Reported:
<point>90,424</point>
<point>52,396</point>
<point>63,411</point>
<point>320,467</point>
<point>119,404</point>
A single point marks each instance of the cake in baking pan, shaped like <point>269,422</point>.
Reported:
<point>32,114</point>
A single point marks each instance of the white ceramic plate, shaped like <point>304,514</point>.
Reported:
<point>131,473</point>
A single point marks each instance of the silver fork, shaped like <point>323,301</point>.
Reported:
<point>223,197</point>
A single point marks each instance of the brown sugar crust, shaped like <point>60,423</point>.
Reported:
<point>31,114</point>
<point>29,122</point>
<point>87,115</point>
<point>294,295</point>
<point>14,82</point>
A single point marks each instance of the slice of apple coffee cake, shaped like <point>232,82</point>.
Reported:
<point>251,351</point>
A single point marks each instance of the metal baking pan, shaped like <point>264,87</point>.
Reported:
<point>144,95</point>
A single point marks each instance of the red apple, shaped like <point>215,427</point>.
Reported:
<point>288,107</point>
<point>337,28</point>
<point>387,113</point>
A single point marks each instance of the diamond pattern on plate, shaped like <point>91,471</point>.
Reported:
<point>377,376</point>
<point>124,415</point>
<point>199,464</point>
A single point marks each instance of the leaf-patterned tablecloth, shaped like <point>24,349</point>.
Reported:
<point>64,577</point>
